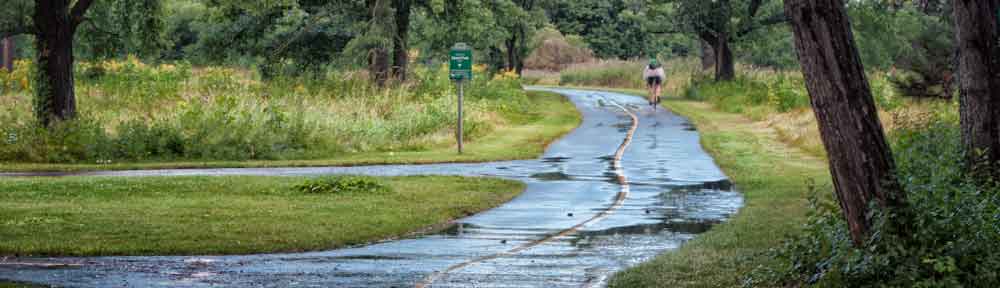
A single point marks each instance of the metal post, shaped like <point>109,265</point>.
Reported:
<point>461,94</point>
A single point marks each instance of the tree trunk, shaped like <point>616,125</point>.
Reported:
<point>511,53</point>
<point>379,66</point>
<point>860,159</point>
<point>724,66</point>
<point>400,51</point>
<point>54,98</point>
<point>707,55</point>
<point>7,51</point>
<point>378,57</point>
<point>979,85</point>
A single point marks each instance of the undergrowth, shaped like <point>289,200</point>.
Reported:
<point>954,230</point>
<point>133,111</point>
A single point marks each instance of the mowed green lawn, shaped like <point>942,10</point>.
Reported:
<point>524,136</point>
<point>774,180</point>
<point>77,216</point>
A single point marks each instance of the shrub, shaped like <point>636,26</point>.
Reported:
<point>555,51</point>
<point>954,227</point>
<point>343,185</point>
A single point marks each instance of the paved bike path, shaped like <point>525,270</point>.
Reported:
<point>674,192</point>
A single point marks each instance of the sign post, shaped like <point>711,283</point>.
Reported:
<point>460,66</point>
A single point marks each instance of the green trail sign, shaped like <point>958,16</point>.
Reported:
<point>460,62</point>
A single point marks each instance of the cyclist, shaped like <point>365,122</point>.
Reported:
<point>654,80</point>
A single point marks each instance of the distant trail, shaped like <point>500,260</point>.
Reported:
<point>619,200</point>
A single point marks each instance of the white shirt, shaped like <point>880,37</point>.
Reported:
<point>658,72</point>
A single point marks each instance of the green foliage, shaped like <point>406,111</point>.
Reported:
<point>613,29</point>
<point>117,28</point>
<point>779,91</point>
<point>138,112</point>
<point>952,238</point>
<point>342,185</point>
<point>759,92</point>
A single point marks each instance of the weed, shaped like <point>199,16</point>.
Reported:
<point>343,185</point>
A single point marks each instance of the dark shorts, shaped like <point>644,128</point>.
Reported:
<point>655,80</point>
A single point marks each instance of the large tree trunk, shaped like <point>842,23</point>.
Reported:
<point>7,50</point>
<point>707,55</point>
<point>979,88</point>
<point>378,57</point>
<point>860,159</point>
<point>400,50</point>
<point>378,64</point>
<point>725,68</point>
<point>54,98</point>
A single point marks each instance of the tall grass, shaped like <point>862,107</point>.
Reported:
<point>628,74</point>
<point>132,111</point>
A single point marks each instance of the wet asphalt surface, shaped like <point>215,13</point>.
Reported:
<point>674,192</point>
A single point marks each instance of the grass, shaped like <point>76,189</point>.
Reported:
<point>774,179</point>
<point>133,112</point>
<point>523,136</point>
<point>77,216</point>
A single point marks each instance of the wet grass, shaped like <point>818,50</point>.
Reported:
<point>523,136</point>
<point>77,216</point>
<point>774,179</point>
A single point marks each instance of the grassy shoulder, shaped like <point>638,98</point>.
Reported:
<point>774,179</point>
<point>77,216</point>
<point>524,136</point>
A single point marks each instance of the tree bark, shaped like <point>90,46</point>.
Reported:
<point>7,51</point>
<point>725,68</point>
<point>55,25</point>
<point>707,55</point>
<point>400,51</point>
<point>860,159</point>
<point>979,85</point>
<point>379,66</point>
<point>511,53</point>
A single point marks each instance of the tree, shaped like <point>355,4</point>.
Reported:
<point>611,28</point>
<point>53,23</point>
<point>860,159</point>
<point>400,43</point>
<point>979,91</point>
<point>720,22</point>
<point>117,28</point>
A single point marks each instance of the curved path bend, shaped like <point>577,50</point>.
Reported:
<point>631,182</point>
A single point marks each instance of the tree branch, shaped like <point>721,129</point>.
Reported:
<point>78,11</point>
<point>772,20</point>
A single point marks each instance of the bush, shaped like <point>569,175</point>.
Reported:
<point>955,227</point>
<point>343,185</point>
<point>555,52</point>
